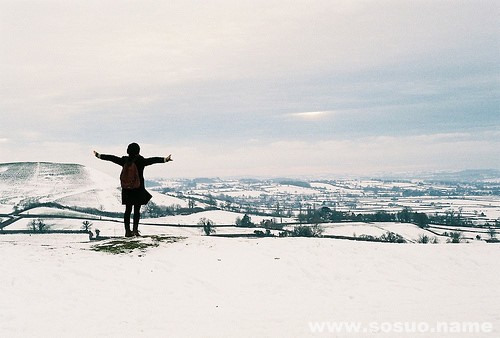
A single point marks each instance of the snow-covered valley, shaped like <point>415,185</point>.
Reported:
<point>176,282</point>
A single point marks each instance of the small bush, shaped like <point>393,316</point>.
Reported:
<point>245,222</point>
<point>263,234</point>
<point>308,231</point>
<point>283,234</point>
<point>369,238</point>
<point>207,226</point>
<point>271,224</point>
<point>455,237</point>
<point>424,239</point>
<point>38,225</point>
<point>392,237</point>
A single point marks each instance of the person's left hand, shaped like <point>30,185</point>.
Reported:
<point>168,158</point>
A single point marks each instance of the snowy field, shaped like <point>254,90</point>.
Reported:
<point>219,217</point>
<point>114,227</point>
<point>409,232</point>
<point>54,285</point>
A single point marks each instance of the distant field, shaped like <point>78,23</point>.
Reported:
<point>64,195</point>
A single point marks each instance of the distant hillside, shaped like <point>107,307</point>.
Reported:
<point>470,175</point>
<point>463,176</point>
<point>25,183</point>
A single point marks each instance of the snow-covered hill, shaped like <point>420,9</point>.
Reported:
<point>72,185</point>
<point>54,285</point>
<point>22,184</point>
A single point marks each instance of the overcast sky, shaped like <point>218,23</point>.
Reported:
<point>253,88</point>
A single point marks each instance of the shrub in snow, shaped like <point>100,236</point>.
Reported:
<point>245,222</point>
<point>369,238</point>
<point>207,226</point>
<point>271,224</point>
<point>38,225</point>
<point>455,237</point>
<point>308,231</point>
<point>263,234</point>
<point>424,239</point>
<point>392,237</point>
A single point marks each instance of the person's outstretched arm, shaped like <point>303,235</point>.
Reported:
<point>152,160</point>
<point>111,158</point>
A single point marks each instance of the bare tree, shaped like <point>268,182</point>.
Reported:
<point>207,226</point>
<point>38,225</point>
<point>86,225</point>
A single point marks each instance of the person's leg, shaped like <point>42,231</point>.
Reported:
<point>137,217</point>
<point>126,220</point>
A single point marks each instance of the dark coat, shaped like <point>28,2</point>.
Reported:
<point>139,196</point>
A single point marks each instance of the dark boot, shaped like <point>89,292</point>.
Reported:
<point>128,233</point>
<point>137,216</point>
<point>126,220</point>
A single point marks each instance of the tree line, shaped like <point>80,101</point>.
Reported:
<point>406,215</point>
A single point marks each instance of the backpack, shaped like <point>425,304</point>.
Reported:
<point>129,177</point>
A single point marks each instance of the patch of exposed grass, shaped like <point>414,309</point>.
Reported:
<point>127,245</point>
<point>121,246</point>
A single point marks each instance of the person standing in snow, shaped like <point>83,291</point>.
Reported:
<point>134,197</point>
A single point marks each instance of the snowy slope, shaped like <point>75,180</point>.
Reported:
<point>70,185</point>
<point>66,184</point>
<point>220,217</point>
<point>52,285</point>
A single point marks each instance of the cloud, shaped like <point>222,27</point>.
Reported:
<point>205,77</point>
<point>297,158</point>
<point>312,116</point>
<point>107,44</point>
<point>363,156</point>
